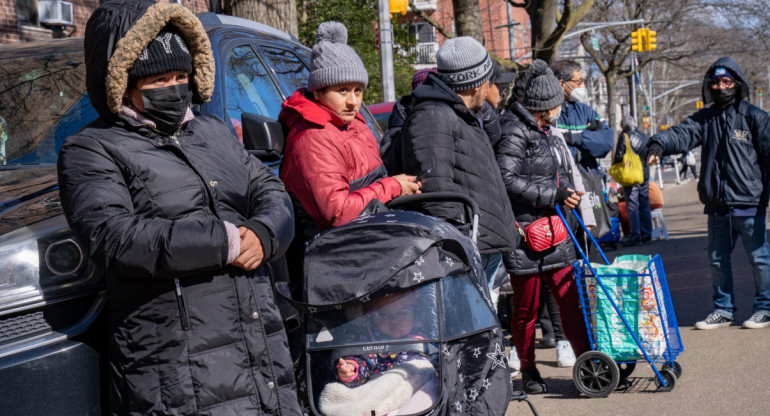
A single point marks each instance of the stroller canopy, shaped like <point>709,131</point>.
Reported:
<point>379,252</point>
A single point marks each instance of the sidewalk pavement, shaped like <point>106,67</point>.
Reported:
<point>725,371</point>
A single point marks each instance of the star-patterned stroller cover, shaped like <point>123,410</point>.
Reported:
<point>415,272</point>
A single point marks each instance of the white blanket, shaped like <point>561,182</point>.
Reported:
<point>385,394</point>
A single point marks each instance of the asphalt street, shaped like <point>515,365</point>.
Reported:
<point>725,371</point>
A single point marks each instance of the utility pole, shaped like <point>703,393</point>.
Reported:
<point>652,102</point>
<point>511,32</point>
<point>633,89</point>
<point>386,52</point>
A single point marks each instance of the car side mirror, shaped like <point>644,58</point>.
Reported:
<point>262,137</point>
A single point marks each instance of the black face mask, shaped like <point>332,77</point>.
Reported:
<point>723,96</point>
<point>167,106</point>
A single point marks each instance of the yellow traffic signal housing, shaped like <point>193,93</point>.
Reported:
<point>650,40</point>
<point>699,104</point>
<point>398,7</point>
<point>759,90</point>
<point>637,40</point>
<point>664,127</point>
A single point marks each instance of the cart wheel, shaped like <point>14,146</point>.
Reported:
<point>595,374</point>
<point>670,378</point>
<point>626,369</point>
<point>676,368</point>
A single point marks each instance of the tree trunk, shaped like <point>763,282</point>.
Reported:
<point>542,16</point>
<point>468,19</point>
<point>611,116</point>
<point>280,14</point>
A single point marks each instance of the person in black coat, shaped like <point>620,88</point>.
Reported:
<point>637,197</point>
<point>182,220</point>
<point>537,175</point>
<point>734,184</point>
<point>443,135</point>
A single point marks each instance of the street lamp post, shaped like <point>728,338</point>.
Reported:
<point>386,52</point>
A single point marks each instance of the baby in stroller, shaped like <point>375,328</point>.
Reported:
<point>393,319</point>
<point>397,382</point>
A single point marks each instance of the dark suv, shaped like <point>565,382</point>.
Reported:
<point>52,339</point>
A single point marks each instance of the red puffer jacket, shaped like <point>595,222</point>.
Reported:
<point>323,156</point>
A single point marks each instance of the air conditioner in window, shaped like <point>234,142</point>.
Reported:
<point>54,12</point>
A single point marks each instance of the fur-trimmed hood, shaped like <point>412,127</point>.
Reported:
<point>118,31</point>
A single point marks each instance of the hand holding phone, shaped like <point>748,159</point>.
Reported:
<point>421,177</point>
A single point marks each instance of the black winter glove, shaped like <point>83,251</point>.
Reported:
<point>573,138</point>
<point>562,193</point>
<point>594,125</point>
<point>654,149</point>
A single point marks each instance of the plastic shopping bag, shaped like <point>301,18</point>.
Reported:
<point>637,292</point>
<point>629,171</point>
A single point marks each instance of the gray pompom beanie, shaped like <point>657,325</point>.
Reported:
<point>544,91</point>
<point>333,62</point>
<point>463,63</point>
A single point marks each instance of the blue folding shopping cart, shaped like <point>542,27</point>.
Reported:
<point>630,318</point>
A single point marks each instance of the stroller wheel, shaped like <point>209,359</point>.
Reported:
<point>676,368</point>
<point>626,369</point>
<point>595,374</point>
<point>670,379</point>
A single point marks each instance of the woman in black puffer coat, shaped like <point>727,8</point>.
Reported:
<point>182,220</point>
<point>536,173</point>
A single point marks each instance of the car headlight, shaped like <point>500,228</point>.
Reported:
<point>19,270</point>
<point>41,263</point>
<point>63,257</point>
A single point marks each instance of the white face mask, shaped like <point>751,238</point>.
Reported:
<point>579,95</point>
<point>554,117</point>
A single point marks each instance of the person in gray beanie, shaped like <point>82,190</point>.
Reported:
<point>444,137</point>
<point>537,175</point>
<point>332,166</point>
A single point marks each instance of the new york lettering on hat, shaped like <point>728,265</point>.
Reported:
<point>166,53</point>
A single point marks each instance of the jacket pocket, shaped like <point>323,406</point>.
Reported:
<point>183,316</point>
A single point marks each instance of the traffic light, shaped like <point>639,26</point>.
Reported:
<point>398,7</point>
<point>650,40</point>
<point>664,127</point>
<point>699,104</point>
<point>759,90</point>
<point>637,40</point>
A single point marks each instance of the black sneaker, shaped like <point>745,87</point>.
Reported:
<point>758,320</point>
<point>546,343</point>
<point>628,242</point>
<point>533,383</point>
<point>713,321</point>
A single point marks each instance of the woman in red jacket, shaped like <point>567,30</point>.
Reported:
<point>332,166</point>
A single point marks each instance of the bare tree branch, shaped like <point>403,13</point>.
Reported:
<point>424,16</point>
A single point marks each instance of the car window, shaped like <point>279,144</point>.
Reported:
<point>35,92</point>
<point>248,87</point>
<point>289,68</point>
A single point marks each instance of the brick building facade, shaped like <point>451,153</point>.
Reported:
<point>496,19</point>
<point>19,20</point>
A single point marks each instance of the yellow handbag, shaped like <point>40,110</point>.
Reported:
<point>629,171</point>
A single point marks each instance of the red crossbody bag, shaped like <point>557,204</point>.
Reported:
<point>545,232</point>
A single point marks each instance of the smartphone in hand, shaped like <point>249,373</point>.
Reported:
<point>421,177</point>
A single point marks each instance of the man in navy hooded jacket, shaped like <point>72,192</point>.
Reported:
<point>586,132</point>
<point>733,186</point>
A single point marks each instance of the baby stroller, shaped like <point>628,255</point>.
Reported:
<point>407,290</point>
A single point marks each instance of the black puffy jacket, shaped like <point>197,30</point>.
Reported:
<point>442,134</point>
<point>735,140</point>
<point>491,123</point>
<point>188,334</point>
<point>529,160</point>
